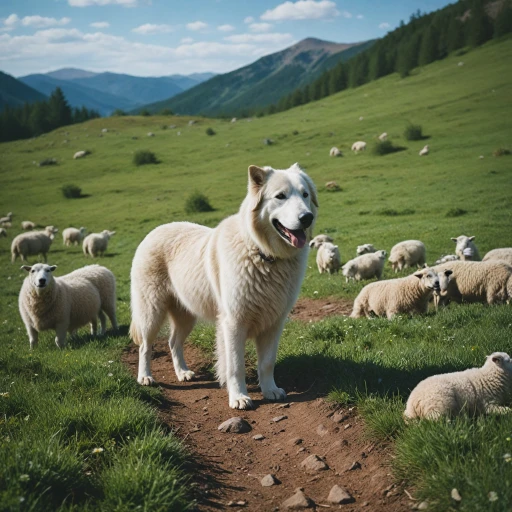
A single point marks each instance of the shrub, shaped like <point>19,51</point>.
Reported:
<point>145,113</point>
<point>118,112</point>
<point>47,161</point>
<point>413,132</point>
<point>456,212</point>
<point>197,202</point>
<point>390,212</point>
<point>384,147</point>
<point>143,157</point>
<point>71,191</point>
<point>501,152</point>
<point>166,112</point>
<point>210,131</point>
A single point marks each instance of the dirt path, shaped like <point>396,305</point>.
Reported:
<point>228,467</point>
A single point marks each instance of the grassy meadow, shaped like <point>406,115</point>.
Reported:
<point>75,428</point>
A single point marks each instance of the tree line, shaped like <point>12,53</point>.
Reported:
<point>33,119</point>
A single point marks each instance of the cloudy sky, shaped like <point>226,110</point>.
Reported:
<point>163,37</point>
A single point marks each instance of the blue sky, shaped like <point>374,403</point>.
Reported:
<point>163,37</point>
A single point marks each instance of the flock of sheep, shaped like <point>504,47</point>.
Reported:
<point>360,145</point>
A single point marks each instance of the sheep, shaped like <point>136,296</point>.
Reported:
<point>335,152</point>
<point>7,218</point>
<point>95,244</point>
<point>444,280</point>
<point>424,151</point>
<point>80,154</point>
<point>466,250</point>
<point>32,243</point>
<point>503,254</point>
<point>406,254</point>
<point>383,136</point>
<point>328,258</point>
<point>7,224</point>
<point>358,146</point>
<point>448,257</point>
<point>488,282</point>
<point>3,232</point>
<point>27,225</point>
<point>332,186</point>
<point>319,240</point>
<point>151,134</point>
<point>366,266</point>
<point>73,236</point>
<point>233,120</point>
<point>484,390</point>
<point>407,295</point>
<point>65,303</point>
<point>364,249</point>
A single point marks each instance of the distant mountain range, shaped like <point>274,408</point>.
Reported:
<point>15,93</point>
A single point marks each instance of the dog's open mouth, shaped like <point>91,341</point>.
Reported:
<point>295,237</point>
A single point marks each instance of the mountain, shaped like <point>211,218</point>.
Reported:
<point>15,93</point>
<point>262,82</point>
<point>70,73</point>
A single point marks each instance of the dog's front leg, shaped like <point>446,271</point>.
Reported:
<point>266,347</point>
<point>145,351</point>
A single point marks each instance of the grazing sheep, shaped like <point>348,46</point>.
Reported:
<point>151,134</point>
<point>73,236</point>
<point>448,257</point>
<point>366,266</point>
<point>364,249</point>
<point>233,120</point>
<point>407,295</point>
<point>383,136</point>
<point>319,240</point>
<point>7,218</point>
<point>488,282</point>
<point>3,232</point>
<point>7,224</point>
<point>332,186</point>
<point>406,254</point>
<point>27,225</point>
<point>32,243</point>
<point>466,250</point>
<point>484,390</point>
<point>328,258</point>
<point>105,130</point>
<point>335,152</point>
<point>80,154</point>
<point>424,151</point>
<point>359,146</point>
<point>504,254</point>
<point>96,244</point>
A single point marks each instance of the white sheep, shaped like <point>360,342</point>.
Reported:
<point>3,232</point>
<point>445,277</point>
<point>446,258</point>
<point>28,225</point>
<point>151,134</point>
<point>466,249</point>
<point>319,240</point>
<point>358,146</point>
<point>96,244</point>
<point>504,254</point>
<point>80,154</point>
<point>407,295</point>
<point>6,224</point>
<point>383,136</point>
<point>424,151</point>
<point>488,282</point>
<point>485,390</point>
<point>365,249</point>
<point>7,218</point>
<point>328,258</point>
<point>233,120</point>
<point>406,254</point>
<point>366,266</point>
<point>73,236</point>
<point>335,152</point>
<point>32,243</point>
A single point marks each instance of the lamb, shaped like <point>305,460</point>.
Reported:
<point>80,154</point>
<point>366,266</point>
<point>466,250</point>
<point>95,244</point>
<point>73,236</point>
<point>3,232</point>
<point>328,258</point>
<point>424,151</point>
<point>484,390</point>
<point>32,243</point>
<point>27,225</point>
<point>406,254</point>
<point>365,249</point>
<point>358,146</point>
<point>448,257</point>
<point>335,152</point>
<point>488,282</point>
<point>407,295</point>
<point>383,136</point>
<point>319,240</point>
<point>7,218</point>
<point>504,254</point>
<point>65,303</point>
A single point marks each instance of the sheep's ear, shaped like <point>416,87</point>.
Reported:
<point>52,268</point>
<point>311,243</point>
<point>419,275</point>
<point>28,268</point>
<point>454,239</point>
<point>497,359</point>
<point>448,272</point>
<point>425,265</point>
<point>471,238</point>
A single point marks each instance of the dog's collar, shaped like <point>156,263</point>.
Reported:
<point>268,259</point>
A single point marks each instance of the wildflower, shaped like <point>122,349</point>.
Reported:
<point>24,478</point>
<point>110,374</point>
<point>507,457</point>
<point>98,450</point>
<point>315,292</point>
<point>493,496</point>
<point>110,362</point>
<point>4,395</point>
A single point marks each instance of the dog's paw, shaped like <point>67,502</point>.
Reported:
<point>147,380</point>
<point>275,394</point>
<point>185,375</point>
<point>241,402</point>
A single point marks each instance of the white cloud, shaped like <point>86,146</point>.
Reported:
<point>275,38</point>
<point>42,22</point>
<point>187,40</point>
<point>88,3</point>
<point>100,24</point>
<point>346,14</point>
<point>197,25</point>
<point>384,26</point>
<point>260,27</point>
<point>150,29</point>
<point>249,19</point>
<point>301,10</point>
<point>359,16</point>
<point>10,22</point>
<point>226,28</point>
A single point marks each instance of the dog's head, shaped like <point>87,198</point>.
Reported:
<point>284,208</point>
<point>40,275</point>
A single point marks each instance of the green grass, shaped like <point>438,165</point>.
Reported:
<point>465,111</point>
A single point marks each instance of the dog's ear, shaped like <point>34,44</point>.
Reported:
<point>257,179</point>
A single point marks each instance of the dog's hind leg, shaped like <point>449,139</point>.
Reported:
<point>266,347</point>
<point>181,324</point>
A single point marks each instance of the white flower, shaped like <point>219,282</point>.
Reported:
<point>110,374</point>
<point>493,496</point>
<point>24,478</point>
<point>98,450</point>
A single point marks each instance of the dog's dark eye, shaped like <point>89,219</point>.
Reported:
<point>32,271</point>
<point>305,194</point>
<point>280,196</point>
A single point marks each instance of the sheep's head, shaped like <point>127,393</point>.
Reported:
<point>40,275</point>
<point>381,254</point>
<point>444,279</point>
<point>501,360</point>
<point>107,234</point>
<point>349,269</point>
<point>429,279</point>
<point>465,249</point>
<point>330,250</point>
<point>365,248</point>
<point>319,240</point>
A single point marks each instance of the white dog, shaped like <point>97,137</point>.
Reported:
<point>245,275</point>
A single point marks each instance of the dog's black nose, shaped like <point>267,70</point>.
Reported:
<point>306,219</point>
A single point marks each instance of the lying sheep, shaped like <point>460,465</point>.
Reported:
<point>383,136</point>
<point>27,225</point>
<point>424,151</point>
<point>65,303</point>
<point>488,282</point>
<point>332,186</point>
<point>406,254</point>
<point>448,257</point>
<point>73,236</point>
<point>3,232</point>
<point>328,258</point>
<point>7,218</point>
<point>366,266</point>
<point>466,250</point>
<point>32,243</point>
<point>335,152</point>
<point>365,249</point>
<point>358,146</point>
<point>96,244</point>
<point>484,390</point>
<point>80,154</point>
<point>407,295</point>
<point>319,240</point>
<point>504,254</point>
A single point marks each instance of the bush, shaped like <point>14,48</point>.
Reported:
<point>166,112</point>
<point>47,161</point>
<point>413,132</point>
<point>391,212</point>
<point>145,113</point>
<point>501,152</point>
<point>197,202</point>
<point>384,147</point>
<point>143,157</point>
<point>210,131</point>
<point>71,191</point>
<point>456,212</point>
<point>118,113</point>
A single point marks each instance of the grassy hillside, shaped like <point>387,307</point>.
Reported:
<point>15,93</point>
<point>464,110</point>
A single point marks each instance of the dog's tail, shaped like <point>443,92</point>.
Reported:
<point>135,334</point>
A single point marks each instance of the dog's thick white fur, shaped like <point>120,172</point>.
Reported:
<point>245,275</point>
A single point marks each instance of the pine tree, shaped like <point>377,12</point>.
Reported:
<point>60,113</point>
<point>429,45</point>
<point>377,67</point>
<point>479,26</point>
<point>503,21</point>
<point>455,38</point>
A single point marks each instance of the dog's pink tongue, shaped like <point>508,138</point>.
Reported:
<point>298,238</point>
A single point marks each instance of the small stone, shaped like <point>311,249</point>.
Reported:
<point>240,503</point>
<point>277,419</point>
<point>298,501</point>
<point>347,426</point>
<point>322,430</point>
<point>456,495</point>
<point>314,463</point>
<point>339,496</point>
<point>235,425</point>
<point>258,437</point>
<point>283,406</point>
<point>300,450</point>
<point>338,417</point>
<point>365,503</point>
<point>269,480</point>
<point>295,441</point>
<point>423,505</point>
<point>355,465</point>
